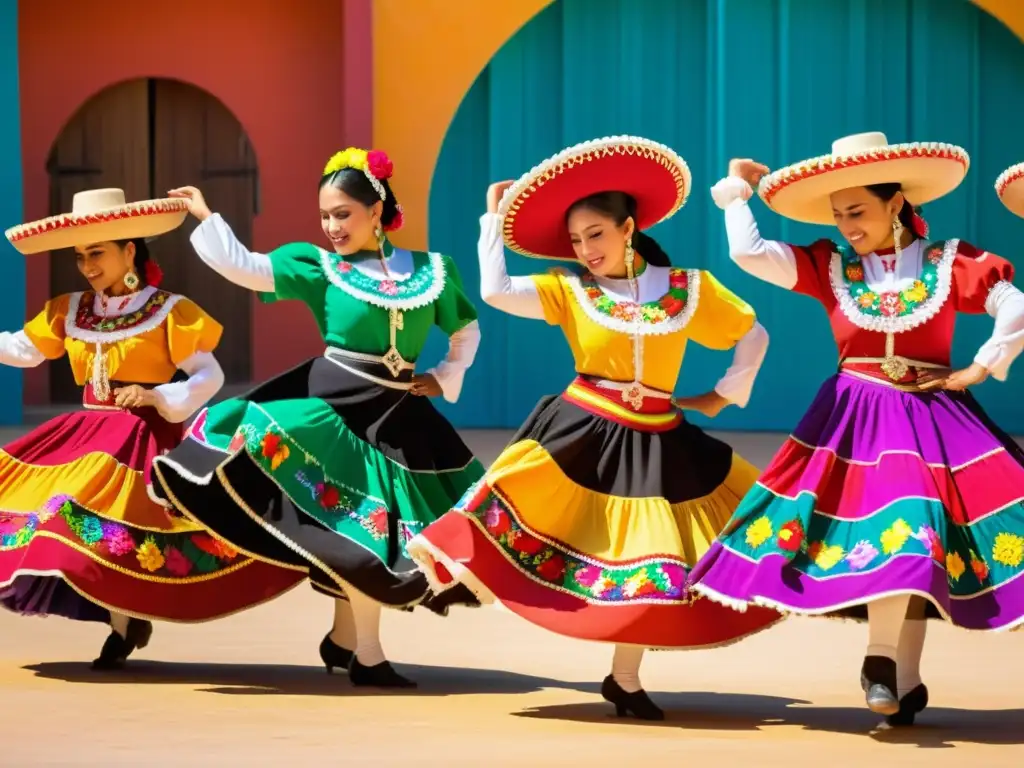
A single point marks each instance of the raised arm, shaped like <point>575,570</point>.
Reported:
<point>514,295</point>
<point>457,317</point>
<point>218,247</point>
<point>18,351</point>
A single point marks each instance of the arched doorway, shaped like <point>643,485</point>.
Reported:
<point>147,136</point>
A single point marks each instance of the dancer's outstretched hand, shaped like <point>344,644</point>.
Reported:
<point>425,384</point>
<point>132,396</point>
<point>495,193</point>
<point>749,170</point>
<point>196,202</point>
<point>955,381</point>
<point>710,403</point>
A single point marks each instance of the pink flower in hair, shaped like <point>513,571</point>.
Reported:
<point>397,222</point>
<point>379,164</point>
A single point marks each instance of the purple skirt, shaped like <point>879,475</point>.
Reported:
<point>880,492</point>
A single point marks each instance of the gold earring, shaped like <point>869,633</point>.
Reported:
<point>380,237</point>
<point>897,235</point>
<point>131,281</point>
<point>629,258</point>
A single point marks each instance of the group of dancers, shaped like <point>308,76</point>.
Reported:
<point>608,516</point>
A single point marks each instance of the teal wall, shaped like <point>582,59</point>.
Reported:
<point>772,79</point>
<point>12,263</point>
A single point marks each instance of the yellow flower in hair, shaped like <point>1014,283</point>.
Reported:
<point>352,157</point>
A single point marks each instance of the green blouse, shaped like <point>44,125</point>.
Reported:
<point>352,308</point>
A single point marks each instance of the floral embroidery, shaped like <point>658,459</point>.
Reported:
<point>87,320</point>
<point>171,554</point>
<point>565,570</point>
<point>980,567</point>
<point>759,532</point>
<point>421,288</point>
<point>931,541</point>
<point>1008,549</point>
<point>861,555</point>
<point>895,536</point>
<point>955,566</point>
<point>825,556</point>
<point>889,304</point>
<point>791,536</point>
<point>652,312</point>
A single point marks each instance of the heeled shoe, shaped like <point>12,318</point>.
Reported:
<point>333,655</point>
<point>117,649</point>
<point>381,675</point>
<point>911,705</point>
<point>638,704</point>
<point>878,679</point>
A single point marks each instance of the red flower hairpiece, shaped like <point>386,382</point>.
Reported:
<point>378,163</point>
<point>918,223</point>
<point>397,222</point>
<point>154,275</point>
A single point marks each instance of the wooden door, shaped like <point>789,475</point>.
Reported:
<point>198,142</point>
<point>146,137</point>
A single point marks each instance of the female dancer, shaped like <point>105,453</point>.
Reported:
<point>80,535</point>
<point>895,491</point>
<point>334,465</point>
<point>588,522</point>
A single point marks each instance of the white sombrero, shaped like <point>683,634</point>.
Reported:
<point>1010,188</point>
<point>97,216</point>
<point>925,172</point>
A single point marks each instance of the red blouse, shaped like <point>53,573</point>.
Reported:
<point>959,278</point>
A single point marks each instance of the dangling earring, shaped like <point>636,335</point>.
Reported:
<point>380,237</point>
<point>897,235</point>
<point>131,280</point>
<point>629,258</point>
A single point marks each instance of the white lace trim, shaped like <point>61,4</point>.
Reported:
<point>921,315</point>
<point>638,327</point>
<point>109,337</point>
<point>429,296</point>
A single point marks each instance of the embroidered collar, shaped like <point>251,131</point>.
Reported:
<point>420,288</point>
<point>893,311</point>
<point>85,324</point>
<point>667,314</point>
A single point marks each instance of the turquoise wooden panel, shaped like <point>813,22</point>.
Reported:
<point>12,263</point>
<point>714,79</point>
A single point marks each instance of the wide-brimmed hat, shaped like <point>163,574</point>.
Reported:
<point>534,207</point>
<point>97,216</point>
<point>1010,188</point>
<point>924,171</point>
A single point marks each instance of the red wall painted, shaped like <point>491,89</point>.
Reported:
<point>297,75</point>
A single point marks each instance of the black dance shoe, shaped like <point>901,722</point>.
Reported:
<point>117,649</point>
<point>333,655</point>
<point>910,706</point>
<point>638,704</point>
<point>878,679</point>
<point>381,675</point>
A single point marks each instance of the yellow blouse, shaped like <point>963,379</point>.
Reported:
<point>145,346</point>
<point>601,331</point>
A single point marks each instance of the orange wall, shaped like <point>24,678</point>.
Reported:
<point>423,90</point>
<point>294,73</point>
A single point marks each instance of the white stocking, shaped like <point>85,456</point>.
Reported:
<point>344,631</point>
<point>885,621</point>
<point>626,667</point>
<point>119,623</point>
<point>908,655</point>
<point>366,616</point>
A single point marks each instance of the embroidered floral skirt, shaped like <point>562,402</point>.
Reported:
<point>322,470</point>
<point>589,521</point>
<point>881,492</point>
<point>80,534</point>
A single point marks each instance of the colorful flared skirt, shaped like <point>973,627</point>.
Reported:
<point>81,535</point>
<point>324,470</point>
<point>879,492</point>
<point>589,521</point>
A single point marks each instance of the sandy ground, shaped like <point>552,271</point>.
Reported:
<point>494,691</point>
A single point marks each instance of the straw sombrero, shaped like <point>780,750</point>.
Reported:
<point>97,216</point>
<point>534,207</point>
<point>925,171</point>
<point>1010,188</point>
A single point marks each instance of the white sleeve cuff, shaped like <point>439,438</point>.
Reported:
<point>462,349</point>
<point>18,351</point>
<point>1006,304</point>
<point>180,399</point>
<point>218,247</point>
<point>730,189</point>
<point>738,382</point>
